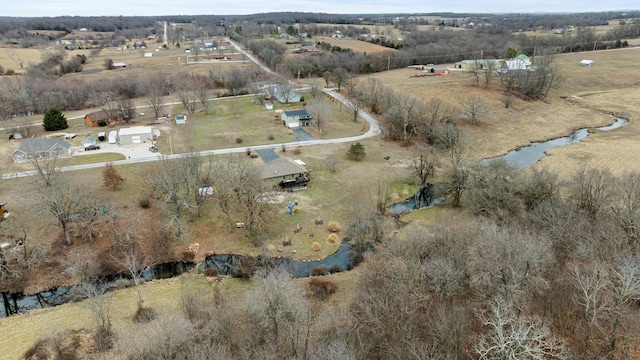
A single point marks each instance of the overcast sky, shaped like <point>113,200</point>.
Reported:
<point>33,8</point>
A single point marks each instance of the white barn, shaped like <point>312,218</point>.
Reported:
<point>135,135</point>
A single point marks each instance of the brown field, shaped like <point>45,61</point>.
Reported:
<point>608,87</point>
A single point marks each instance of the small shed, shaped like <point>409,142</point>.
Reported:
<point>88,141</point>
<point>181,119</point>
<point>587,63</point>
<point>135,135</point>
<point>296,118</point>
<point>99,118</point>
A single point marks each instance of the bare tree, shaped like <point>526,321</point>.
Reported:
<point>423,165</point>
<point>321,112</point>
<point>64,201</point>
<point>165,178</point>
<point>339,77</point>
<point>155,90</point>
<point>278,306</point>
<point>627,207</point>
<point>592,190</point>
<point>510,336</point>
<point>126,109</point>
<point>235,81</point>
<point>474,107</point>
<point>187,93</point>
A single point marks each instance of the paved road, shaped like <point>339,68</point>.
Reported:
<point>374,130</point>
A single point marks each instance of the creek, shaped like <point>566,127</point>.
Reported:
<point>530,154</point>
<point>343,259</point>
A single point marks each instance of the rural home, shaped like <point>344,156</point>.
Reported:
<point>521,62</point>
<point>440,70</point>
<point>285,172</point>
<point>42,148</point>
<point>99,118</point>
<point>296,118</point>
<point>135,135</point>
<point>280,93</point>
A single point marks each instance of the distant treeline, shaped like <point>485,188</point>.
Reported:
<point>505,21</point>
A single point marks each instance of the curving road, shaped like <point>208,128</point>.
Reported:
<point>374,130</point>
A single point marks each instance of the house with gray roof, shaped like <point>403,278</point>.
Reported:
<point>284,172</point>
<point>42,149</point>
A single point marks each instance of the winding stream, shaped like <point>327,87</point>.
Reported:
<point>529,155</point>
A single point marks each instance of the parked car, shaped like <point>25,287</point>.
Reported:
<point>153,149</point>
<point>91,147</point>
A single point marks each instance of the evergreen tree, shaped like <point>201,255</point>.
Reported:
<point>356,151</point>
<point>54,120</point>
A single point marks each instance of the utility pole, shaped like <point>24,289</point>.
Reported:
<point>388,63</point>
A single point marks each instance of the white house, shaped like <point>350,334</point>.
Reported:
<point>135,135</point>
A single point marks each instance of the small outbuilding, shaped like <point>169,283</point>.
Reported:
<point>440,70</point>
<point>587,63</point>
<point>99,118</point>
<point>181,119</point>
<point>88,141</point>
<point>296,118</point>
<point>135,135</point>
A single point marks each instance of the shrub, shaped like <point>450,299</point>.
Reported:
<point>318,271</point>
<point>254,156</point>
<point>297,150</point>
<point>271,137</point>
<point>188,255</point>
<point>356,152</point>
<point>211,272</point>
<point>335,268</point>
<point>123,283</point>
<point>64,344</point>
<point>334,226</point>
<point>111,178</point>
<point>144,202</point>
<point>332,238</point>
<point>238,140</point>
<point>316,246</point>
<point>244,267</point>
<point>321,288</point>
<point>144,315</point>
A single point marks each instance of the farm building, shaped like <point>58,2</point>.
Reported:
<point>135,135</point>
<point>521,62</point>
<point>479,64</point>
<point>99,118</point>
<point>296,118</point>
<point>587,63</point>
<point>439,70</point>
<point>284,172</point>
<point>42,148</point>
